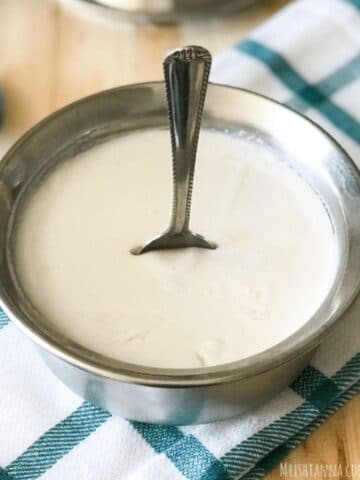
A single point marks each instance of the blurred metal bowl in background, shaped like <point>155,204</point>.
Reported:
<point>159,11</point>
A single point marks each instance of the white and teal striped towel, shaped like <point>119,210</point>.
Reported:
<point>307,56</point>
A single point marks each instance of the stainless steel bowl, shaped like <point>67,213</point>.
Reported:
<point>193,395</point>
<point>160,11</point>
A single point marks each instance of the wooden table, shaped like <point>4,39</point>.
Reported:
<point>50,57</point>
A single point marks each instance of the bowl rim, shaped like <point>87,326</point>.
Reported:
<point>301,342</point>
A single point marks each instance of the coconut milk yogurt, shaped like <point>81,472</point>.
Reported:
<point>176,308</point>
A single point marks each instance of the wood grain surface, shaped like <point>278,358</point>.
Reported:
<point>50,56</point>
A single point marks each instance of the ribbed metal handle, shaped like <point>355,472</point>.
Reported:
<point>186,73</point>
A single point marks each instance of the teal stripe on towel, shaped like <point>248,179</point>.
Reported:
<point>4,320</point>
<point>245,455</point>
<point>349,373</point>
<point>278,438</point>
<point>188,455</point>
<point>308,93</point>
<point>278,454</point>
<point>4,475</point>
<point>57,442</point>
<point>316,388</point>
<point>354,3</point>
<point>342,77</point>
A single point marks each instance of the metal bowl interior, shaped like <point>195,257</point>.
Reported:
<point>297,141</point>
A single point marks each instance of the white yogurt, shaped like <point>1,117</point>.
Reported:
<point>180,308</point>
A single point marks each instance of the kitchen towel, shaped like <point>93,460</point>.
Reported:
<point>308,57</point>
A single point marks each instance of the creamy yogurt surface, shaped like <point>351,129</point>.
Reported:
<point>178,308</point>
